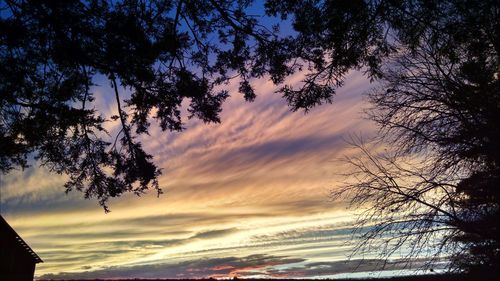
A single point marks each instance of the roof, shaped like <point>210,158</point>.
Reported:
<point>8,230</point>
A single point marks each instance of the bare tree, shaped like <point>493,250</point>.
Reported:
<point>435,192</point>
<point>406,209</point>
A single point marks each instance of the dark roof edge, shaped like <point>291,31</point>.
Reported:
<point>21,242</point>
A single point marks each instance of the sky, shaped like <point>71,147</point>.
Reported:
<point>247,197</point>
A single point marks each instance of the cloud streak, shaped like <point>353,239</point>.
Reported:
<point>242,197</point>
<point>253,266</point>
<point>202,268</point>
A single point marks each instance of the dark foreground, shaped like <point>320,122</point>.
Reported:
<point>437,277</point>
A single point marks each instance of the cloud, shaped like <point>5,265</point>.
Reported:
<point>214,233</point>
<point>229,187</point>
<point>350,266</point>
<point>201,268</point>
<point>277,150</point>
<point>252,266</point>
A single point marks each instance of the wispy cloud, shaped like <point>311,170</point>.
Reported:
<point>252,266</point>
<point>201,268</point>
<point>260,176</point>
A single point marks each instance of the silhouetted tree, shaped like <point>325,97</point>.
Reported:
<point>162,51</point>
<point>439,107</point>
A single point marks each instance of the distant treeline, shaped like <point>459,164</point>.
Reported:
<point>435,277</point>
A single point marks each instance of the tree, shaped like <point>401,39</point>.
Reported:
<point>162,51</point>
<point>439,107</point>
<point>52,51</point>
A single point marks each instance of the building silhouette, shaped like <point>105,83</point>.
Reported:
<point>17,259</point>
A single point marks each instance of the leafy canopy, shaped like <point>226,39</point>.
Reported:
<point>163,52</point>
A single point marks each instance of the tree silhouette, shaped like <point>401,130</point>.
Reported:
<point>439,108</point>
<point>162,51</point>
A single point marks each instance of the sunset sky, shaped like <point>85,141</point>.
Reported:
<point>356,139</point>
<point>247,197</point>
